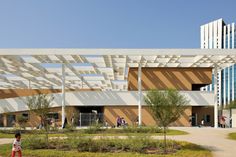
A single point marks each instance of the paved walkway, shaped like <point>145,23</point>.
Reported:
<point>210,138</point>
<point>6,140</point>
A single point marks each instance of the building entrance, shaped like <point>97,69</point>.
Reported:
<point>90,115</point>
<point>1,120</point>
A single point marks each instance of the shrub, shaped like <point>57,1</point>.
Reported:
<point>33,142</point>
<point>139,144</point>
<point>142,130</point>
<point>93,129</point>
<point>21,121</point>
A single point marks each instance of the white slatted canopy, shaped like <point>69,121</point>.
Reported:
<point>105,69</point>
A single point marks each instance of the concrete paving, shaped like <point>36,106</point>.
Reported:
<point>6,140</point>
<point>214,139</point>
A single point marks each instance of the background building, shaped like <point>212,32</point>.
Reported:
<point>219,35</point>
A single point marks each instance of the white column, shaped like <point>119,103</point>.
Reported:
<point>206,37</point>
<point>228,33</point>
<point>210,35</point>
<point>140,94</point>
<point>233,30</point>
<point>220,88</point>
<point>63,114</point>
<point>224,96</point>
<point>224,37</point>
<point>228,85</point>
<point>219,35</point>
<point>233,90</point>
<point>202,37</point>
<point>215,99</point>
<point>29,85</point>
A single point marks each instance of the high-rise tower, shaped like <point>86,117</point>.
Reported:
<point>219,35</point>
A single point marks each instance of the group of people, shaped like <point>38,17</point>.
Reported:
<point>120,121</point>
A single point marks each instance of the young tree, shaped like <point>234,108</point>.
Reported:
<point>40,105</point>
<point>230,106</point>
<point>166,106</point>
<point>22,121</point>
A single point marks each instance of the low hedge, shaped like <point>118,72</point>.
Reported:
<point>86,144</point>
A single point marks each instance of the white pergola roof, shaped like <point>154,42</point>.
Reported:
<point>105,69</point>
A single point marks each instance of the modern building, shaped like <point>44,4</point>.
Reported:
<point>219,35</point>
<point>106,83</point>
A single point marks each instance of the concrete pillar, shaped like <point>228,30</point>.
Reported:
<point>233,116</point>
<point>29,85</point>
<point>140,94</point>
<point>215,98</point>
<point>63,104</point>
<point>5,120</point>
<point>229,98</point>
<point>233,79</point>
<point>224,88</point>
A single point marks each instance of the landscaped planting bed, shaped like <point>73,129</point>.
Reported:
<point>94,130</point>
<point>76,146</point>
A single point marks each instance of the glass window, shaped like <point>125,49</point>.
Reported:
<point>11,120</point>
<point>226,43</point>
<point>53,115</point>
<point>208,118</point>
<point>230,41</point>
<point>25,115</point>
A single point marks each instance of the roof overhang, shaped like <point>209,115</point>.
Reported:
<point>105,69</point>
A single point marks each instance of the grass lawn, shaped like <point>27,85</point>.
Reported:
<point>109,133</point>
<point>232,136</point>
<point>189,150</point>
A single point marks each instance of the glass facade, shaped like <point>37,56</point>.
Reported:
<point>226,78</point>
<point>227,92</point>
<point>230,39</point>
<point>227,41</point>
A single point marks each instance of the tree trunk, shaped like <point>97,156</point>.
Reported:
<point>46,131</point>
<point>164,131</point>
<point>46,138</point>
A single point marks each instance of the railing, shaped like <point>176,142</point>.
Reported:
<point>88,119</point>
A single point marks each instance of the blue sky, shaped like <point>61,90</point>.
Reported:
<point>108,23</point>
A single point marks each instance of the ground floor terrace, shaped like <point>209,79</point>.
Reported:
<point>107,116</point>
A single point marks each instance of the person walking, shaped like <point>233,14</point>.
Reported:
<point>16,146</point>
<point>223,121</point>
<point>73,121</point>
<point>118,122</point>
<point>65,123</point>
<point>202,122</point>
